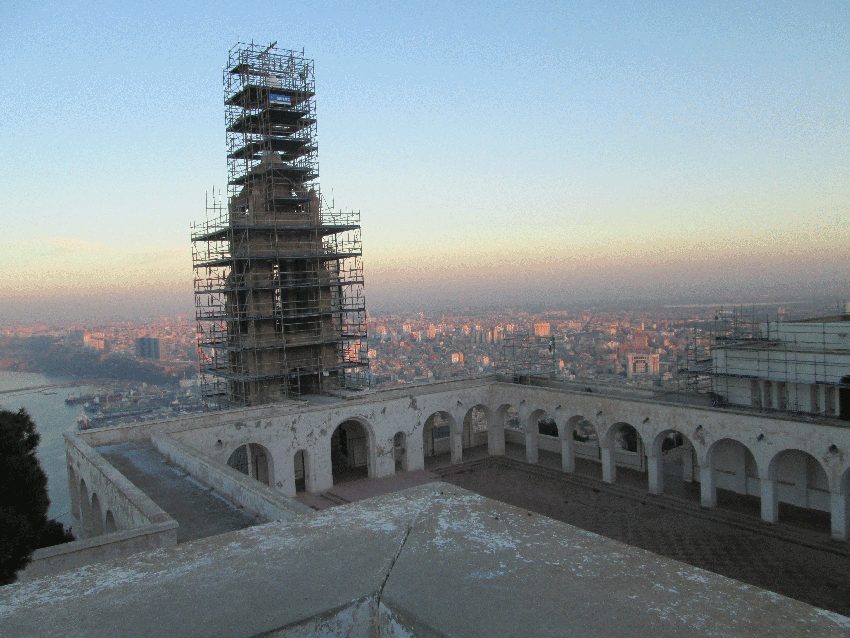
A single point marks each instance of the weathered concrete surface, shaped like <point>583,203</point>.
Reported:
<point>433,560</point>
<point>198,510</point>
<point>299,575</point>
<point>472,566</point>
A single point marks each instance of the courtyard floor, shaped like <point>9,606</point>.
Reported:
<point>795,557</point>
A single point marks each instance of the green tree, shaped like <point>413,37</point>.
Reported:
<point>24,526</point>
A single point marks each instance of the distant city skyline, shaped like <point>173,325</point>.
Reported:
<point>524,154</point>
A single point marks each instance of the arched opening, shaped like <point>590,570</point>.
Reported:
<point>514,432</point>
<point>260,464</point>
<point>238,459</point>
<point>735,477</point>
<point>802,489</point>
<point>676,456</point>
<point>96,516</point>
<point>109,525</point>
<point>624,456</point>
<point>844,399</point>
<point>474,435</point>
<point>543,425</point>
<point>585,446</point>
<point>350,452</point>
<point>400,451</point>
<point>85,509</point>
<point>300,461</point>
<point>437,437</point>
<point>254,461</point>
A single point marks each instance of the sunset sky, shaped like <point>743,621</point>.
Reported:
<point>508,152</point>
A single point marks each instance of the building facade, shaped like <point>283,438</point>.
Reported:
<point>800,367</point>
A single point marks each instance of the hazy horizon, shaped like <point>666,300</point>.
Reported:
<point>519,154</point>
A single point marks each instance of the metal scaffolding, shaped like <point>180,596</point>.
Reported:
<point>279,295</point>
<point>526,355</point>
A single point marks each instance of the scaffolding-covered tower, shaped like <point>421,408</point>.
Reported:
<point>278,274</point>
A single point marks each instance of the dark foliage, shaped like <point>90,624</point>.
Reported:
<point>23,497</point>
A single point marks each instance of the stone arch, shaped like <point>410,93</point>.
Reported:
<point>476,425</point>
<point>508,414</point>
<point>352,450</point>
<point>580,439</point>
<point>672,462</point>
<point>254,461</point>
<point>261,464</point>
<point>109,525</point>
<point>400,448</point>
<point>238,459</point>
<point>508,421</point>
<point>85,508</point>
<point>734,459</point>
<point>624,436</point>
<point>96,516</point>
<point>542,436</point>
<point>542,422</point>
<point>622,446</point>
<point>437,434</point>
<point>729,465</point>
<point>582,430</point>
<point>801,480</point>
<point>301,469</point>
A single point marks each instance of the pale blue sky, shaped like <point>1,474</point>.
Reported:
<point>481,141</point>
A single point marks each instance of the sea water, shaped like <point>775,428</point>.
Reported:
<point>52,418</point>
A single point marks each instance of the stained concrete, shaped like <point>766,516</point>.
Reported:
<point>433,560</point>
<point>199,511</point>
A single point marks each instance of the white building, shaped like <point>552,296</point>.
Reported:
<point>801,366</point>
<point>439,556</point>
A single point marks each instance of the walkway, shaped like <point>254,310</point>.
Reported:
<point>198,510</point>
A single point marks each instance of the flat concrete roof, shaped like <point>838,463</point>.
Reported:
<point>433,560</point>
<point>198,510</point>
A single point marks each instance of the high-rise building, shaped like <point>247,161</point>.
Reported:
<point>147,348</point>
<point>278,273</point>
<point>542,329</point>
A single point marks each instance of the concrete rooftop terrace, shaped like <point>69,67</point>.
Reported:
<point>433,560</point>
<point>198,510</point>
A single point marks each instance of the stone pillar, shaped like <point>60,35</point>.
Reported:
<point>769,501</point>
<point>708,491</point>
<point>656,475</point>
<point>687,464</point>
<point>495,438</point>
<point>840,516</point>
<point>609,467</point>
<point>415,454</point>
<point>531,447</point>
<point>382,464</point>
<point>568,453</point>
<point>284,472</point>
<point>824,408</point>
<point>457,446</point>
<point>74,491</point>
<point>321,469</point>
